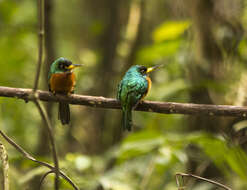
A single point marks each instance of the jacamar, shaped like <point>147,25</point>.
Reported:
<point>132,89</point>
<point>62,81</point>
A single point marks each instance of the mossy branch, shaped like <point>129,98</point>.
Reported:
<point>30,157</point>
<point>110,103</point>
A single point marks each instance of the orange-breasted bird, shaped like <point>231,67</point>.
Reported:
<point>61,80</point>
<point>132,89</point>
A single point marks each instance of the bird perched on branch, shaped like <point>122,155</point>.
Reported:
<point>132,89</point>
<point>62,81</point>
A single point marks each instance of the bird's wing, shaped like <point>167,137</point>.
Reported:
<point>135,91</point>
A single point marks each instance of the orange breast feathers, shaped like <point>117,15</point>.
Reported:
<point>149,87</point>
<point>149,83</point>
<point>62,82</point>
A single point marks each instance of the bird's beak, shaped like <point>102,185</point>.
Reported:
<point>72,66</point>
<point>150,69</point>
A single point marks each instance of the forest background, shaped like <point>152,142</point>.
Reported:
<point>202,44</point>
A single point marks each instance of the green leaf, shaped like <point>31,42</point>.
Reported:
<point>157,51</point>
<point>170,30</point>
<point>242,48</point>
<point>140,143</point>
<point>225,156</point>
<point>81,162</point>
<point>31,174</point>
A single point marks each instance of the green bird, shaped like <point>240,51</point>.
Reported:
<point>61,80</point>
<point>132,89</point>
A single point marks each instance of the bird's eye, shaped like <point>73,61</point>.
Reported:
<point>61,66</point>
<point>143,70</point>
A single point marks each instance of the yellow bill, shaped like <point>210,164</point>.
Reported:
<point>150,69</point>
<point>72,66</point>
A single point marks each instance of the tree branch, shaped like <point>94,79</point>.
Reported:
<point>40,43</point>
<point>148,106</point>
<point>43,178</point>
<point>52,141</point>
<point>200,178</point>
<point>33,95</point>
<point>29,157</point>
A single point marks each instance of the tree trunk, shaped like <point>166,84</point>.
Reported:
<point>208,66</point>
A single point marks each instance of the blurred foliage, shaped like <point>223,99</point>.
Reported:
<point>149,156</point>
<point>170,30</point>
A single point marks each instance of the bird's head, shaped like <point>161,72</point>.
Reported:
<point>63,65</point>
<point>143,70</point>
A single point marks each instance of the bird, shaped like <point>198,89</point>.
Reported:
<point>61,80</point>
<point>134,86</point>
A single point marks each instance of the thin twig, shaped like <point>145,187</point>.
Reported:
<point>180,182</point>
<point>51,137</point>
<point>29,157</point>
<point>36,83</point>
<point>43,178</point>
<point>199,170</point>
<point>5,166</point>
<point>202,179</point>
<point>41,42</point>
<point>148,106</point>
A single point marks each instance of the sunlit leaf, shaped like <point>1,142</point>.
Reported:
<point>225,156</point>
<point>170,30</point>
<point>81,162</point>
<point>140,143</point>
<point>109,183</point>
<point>242,48</point>
<point>156,52</point>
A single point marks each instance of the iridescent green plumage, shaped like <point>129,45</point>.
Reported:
<point>57,66</point>
<point>132,88</point>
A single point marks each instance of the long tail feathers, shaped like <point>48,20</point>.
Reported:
<point>64,113</point>
<point>127,119</point>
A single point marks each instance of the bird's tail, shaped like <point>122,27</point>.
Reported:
<point>127,119</point>
<point>64,113</point>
